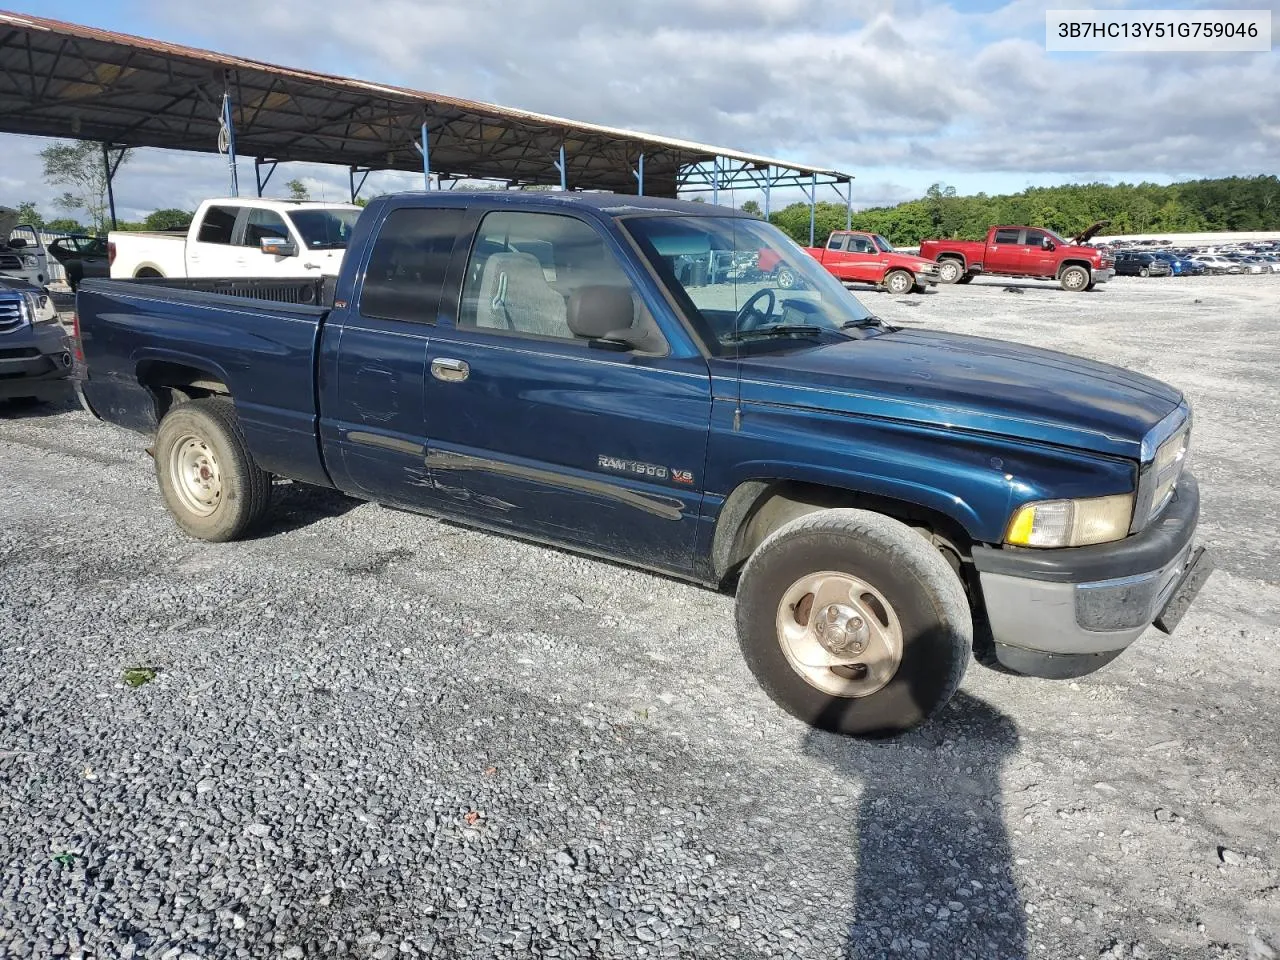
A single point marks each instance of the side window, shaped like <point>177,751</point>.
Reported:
<point>1035,238</point>
<point>263,223</point>
<point>835,242</point>
<point>861,245</point>
<point>1006,236</point>
<point>547,275</point>
<point>219,224</point>
<point>408,263</point>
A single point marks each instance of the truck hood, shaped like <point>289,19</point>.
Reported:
<point>1089,232</point>
<point>970,383</point>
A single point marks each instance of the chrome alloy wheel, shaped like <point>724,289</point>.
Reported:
<point>839,634</point>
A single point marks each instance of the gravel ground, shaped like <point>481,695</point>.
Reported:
<point>368,734</point>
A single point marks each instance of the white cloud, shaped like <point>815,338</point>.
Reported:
<point>899,93</point>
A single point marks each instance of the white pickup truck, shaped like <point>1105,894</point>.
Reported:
<point>240,238</point>
<point>22,253</point>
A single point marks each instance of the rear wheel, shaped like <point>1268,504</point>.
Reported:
<point>950,271</point>
<point>207,476</point>
<point>1074,279</point>
<point>899,282</point>
<point>785,277</point>
<point>853,623</point>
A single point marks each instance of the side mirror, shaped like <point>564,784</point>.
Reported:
<point>602,314</point>
<point>1047,244</point>
<point>278,247</point>
<point>17,243</point>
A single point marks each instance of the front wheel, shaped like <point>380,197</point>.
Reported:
<point>899,282</point>
<point>1074,279</point>
<point>786,278</point>
<point>1144,272</point>
<point>950,271</point>
<point>854,623</point>
<point>208,478</point>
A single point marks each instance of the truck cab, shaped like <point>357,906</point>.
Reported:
<point>240,237</point>
<point>22,252</point>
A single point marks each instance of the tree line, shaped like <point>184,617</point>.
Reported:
<point>1193,206</point>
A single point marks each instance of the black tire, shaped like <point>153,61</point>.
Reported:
<point>1074,279</point>
<point>1092,284</point>
<point>967,278</point>
<point>950,270</point>
<point>899,282</point>
<point>244,488</point>
<point>785,278</point>
<point>1144,272</point>
<point>147,273</point>
<point>916,582</point>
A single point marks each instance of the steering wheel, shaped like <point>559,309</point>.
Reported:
<point>751,317</point>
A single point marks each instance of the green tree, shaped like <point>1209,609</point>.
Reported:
<point>63,225</point>
<point>169,218</point>
<point>751,207</point>
<point>298,190</point>
<point>27,213</point>
<point>78,167</point>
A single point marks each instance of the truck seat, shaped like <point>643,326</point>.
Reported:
<point>515,295</point>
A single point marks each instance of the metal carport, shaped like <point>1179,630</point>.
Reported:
<point>65,80</point>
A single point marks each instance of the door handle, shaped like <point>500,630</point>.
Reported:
<point>450,371</point>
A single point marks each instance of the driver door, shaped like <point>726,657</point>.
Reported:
<point>861,260</point>
<point>535,430</point>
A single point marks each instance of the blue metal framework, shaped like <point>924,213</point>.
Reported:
<point>765,176</point>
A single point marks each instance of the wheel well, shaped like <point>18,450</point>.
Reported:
<point>952,256</point>
<point>759,507</point>
<point>1075,263</point>
<point>146,273</point>
<point>173,383</point>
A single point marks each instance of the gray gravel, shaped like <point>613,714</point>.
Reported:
<point>373,735</point>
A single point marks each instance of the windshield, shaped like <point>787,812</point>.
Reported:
<point>739,278</point>
<point>323,229</point>
<point>884,245</point>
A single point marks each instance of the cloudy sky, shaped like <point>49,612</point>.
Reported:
<point>902,94</point>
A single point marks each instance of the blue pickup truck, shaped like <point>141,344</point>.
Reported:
<point>883,501</point>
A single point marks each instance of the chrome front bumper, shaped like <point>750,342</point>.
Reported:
<point>1052,615</point>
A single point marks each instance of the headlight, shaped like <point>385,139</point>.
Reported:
<point>30,261</point>
<point>39,309</point>
<point>1071,523</point>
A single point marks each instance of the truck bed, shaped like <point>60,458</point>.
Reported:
<point>260,336</point>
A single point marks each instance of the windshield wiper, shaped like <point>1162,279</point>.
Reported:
<point>862,323</point>
<point>786,330</point>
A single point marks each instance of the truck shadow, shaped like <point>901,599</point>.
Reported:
<point>27,410</point>
<point>935,869</point>
<point>297,505</point>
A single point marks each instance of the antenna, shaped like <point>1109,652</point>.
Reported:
<point>737,341</point>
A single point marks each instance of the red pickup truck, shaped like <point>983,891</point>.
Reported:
<point>1023,252</point>
<point>855,257</point>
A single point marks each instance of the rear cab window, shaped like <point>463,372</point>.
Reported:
<point>408,263</point>
<point>219,225</point>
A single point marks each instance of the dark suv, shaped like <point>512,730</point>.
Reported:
<point>1141,265</point>
<point>35,356</point>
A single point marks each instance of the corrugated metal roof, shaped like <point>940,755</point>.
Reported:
<point>66,80</point>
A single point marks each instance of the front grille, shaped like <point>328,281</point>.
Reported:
<point>22,353</point>
<point>9,262</point>
<point>11,317</point>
